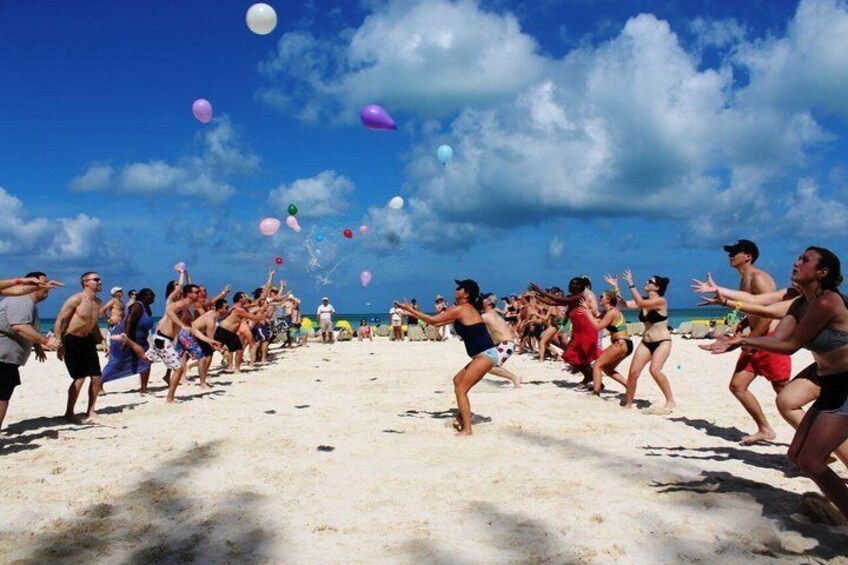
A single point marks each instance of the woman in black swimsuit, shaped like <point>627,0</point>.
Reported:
<point>818,321</point>
<point>469,325</point>
<point>656,341</point>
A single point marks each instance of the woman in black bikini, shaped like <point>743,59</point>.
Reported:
<point>656,341</point>
<point>818,321</point>
<point>469,325</point>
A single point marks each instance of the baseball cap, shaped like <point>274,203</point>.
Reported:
<point>439,297</point>
<point>491,297</point>
<point>325,298</point>
<point>744,246</point>
<point>468,285</point>
<point>115,289</point>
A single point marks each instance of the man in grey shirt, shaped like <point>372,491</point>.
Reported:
<point>19,334</point>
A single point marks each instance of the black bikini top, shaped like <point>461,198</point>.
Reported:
<point>475,337</point>
<point>652,317</point>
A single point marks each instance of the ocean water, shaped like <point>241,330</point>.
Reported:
<point>675,318</point>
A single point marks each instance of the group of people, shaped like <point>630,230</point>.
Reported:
<point>193,327</point>
<point>811,313</point>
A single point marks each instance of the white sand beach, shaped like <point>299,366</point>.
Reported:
<point>235,474</point>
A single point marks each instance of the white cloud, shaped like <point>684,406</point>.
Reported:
<point>54,240</point>
<point>325,194</point>
<point>205,176</point>
<point>808,214</point>
<point>556,248</point>
<point>717,33</point>
<point>430,56</point>
<point>97,177</point>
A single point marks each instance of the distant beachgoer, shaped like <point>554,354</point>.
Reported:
<point>131,297</point>
<point>469,324</point>
<point>502,337</point>
<point>20,333</point>
<point>113,312</point>
<point>76,326</point>
<point>301,337</point>
<point>655,346</point>
<point>325,320</point>
<point>582,349</point>
<point>396,322</point>
<point>440,306</point>
<point>364,331</point>
<point>817,321</point>
<point>775,367</point>
<point>124,360</point>
<point>621,346</point>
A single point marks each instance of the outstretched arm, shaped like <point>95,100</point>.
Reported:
<point>441,319</point>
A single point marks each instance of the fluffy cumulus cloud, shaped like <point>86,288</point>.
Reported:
<point>633,126</point>
<point>432,57</point>
<point>325,194</point>
<point>205,176</point>
<point>39,242</point>
<point>556,248</point>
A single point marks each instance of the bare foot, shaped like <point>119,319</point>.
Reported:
<point>463,433</point>
<point>457,426</point>
<point>763,435</point>
<point>90,418</point>
<point>204,385</point>
<point>516,383</point>
<point>73,418</point>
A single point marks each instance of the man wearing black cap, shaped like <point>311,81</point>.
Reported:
<point>752,362</point>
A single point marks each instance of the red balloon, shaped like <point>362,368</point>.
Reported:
<point>348,234</point>
<point>278,260</point>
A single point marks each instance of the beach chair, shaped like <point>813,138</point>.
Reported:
<point>416,333</point>
<point>699,332</point>
<point>684,328</point>
<point>432,333</point>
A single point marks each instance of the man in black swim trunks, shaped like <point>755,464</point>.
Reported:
<point>76,326</point>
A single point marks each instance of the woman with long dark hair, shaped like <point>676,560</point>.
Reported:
<point>818,321</point>
<point>469,325</point>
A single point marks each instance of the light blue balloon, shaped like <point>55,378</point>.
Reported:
<point>319,237</point>
<point>444,153</point>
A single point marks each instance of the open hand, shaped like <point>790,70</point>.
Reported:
<point>611,280</point>
<point>628,277</point>
<point>722,344</point>
<point>704,287</point>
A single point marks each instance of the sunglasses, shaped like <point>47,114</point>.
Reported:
<point>98,279</point>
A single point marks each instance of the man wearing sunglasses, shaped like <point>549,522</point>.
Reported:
<point>76,326</point>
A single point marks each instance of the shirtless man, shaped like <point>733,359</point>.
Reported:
<point>752,362</point>
<point>76,327</point>
<point>227,331</point>
<point>177,316</point>
<point>205,325</point>
<point>502,336</point>
<point>113,311</point>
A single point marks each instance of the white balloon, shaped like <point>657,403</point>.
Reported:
<point>261,19</point>
<point>396,203</point>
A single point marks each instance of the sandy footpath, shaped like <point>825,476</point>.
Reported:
<point>235,474</point>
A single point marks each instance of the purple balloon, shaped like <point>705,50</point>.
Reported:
<point>375,118</point>
<point>202,110</point>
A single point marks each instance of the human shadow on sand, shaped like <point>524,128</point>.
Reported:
<point>777,504</point>
<point>733,434</point>
<point>25,442</point>
<point>157,521</point>
<point>518,537</point>
<point>450,413</point>
<point>771,461</point>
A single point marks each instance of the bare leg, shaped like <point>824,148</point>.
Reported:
<point>544,340</point>
<point>641,357</point>
<point>501,372</point>
<point>658,360</point>
<point>609,359</point>
<point>739,387</point>
<point>175,382</point>
<point>145,378</point>
<point>202,369</point>
<point>822,433</point>
<point>239,358</point>
<point>4,405</point>
<point>462,383</point>
<point>73,394</point>
<point>93,391</point>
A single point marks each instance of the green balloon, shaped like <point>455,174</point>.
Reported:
<point>292,210</point>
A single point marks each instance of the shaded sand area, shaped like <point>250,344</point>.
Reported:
<point>343,454</point>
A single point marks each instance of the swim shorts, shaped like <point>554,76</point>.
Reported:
<point>505,349</point>
<point>81,356</point>
<point>491,353</point>
<point>229,339</point>
<point>10,377</point>
<point>187,343</point>
<point>834,394</point>
<point>775,367</point>
<point>208,350</point>
<point>163,349</point>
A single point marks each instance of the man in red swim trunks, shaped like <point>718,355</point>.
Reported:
<point>775,367</point>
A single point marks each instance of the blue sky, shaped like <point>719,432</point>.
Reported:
<point>589,136</point>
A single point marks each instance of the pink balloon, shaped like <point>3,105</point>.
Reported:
<point>202,110</point>
<point>365,278</point>
<point>291,222</point>
<point>375,118</point>
<point>269,226</point>
<point>363,229</point>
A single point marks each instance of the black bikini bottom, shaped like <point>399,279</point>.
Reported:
<point>652,345</point>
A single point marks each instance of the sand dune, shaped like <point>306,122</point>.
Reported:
<point>235,474</point>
